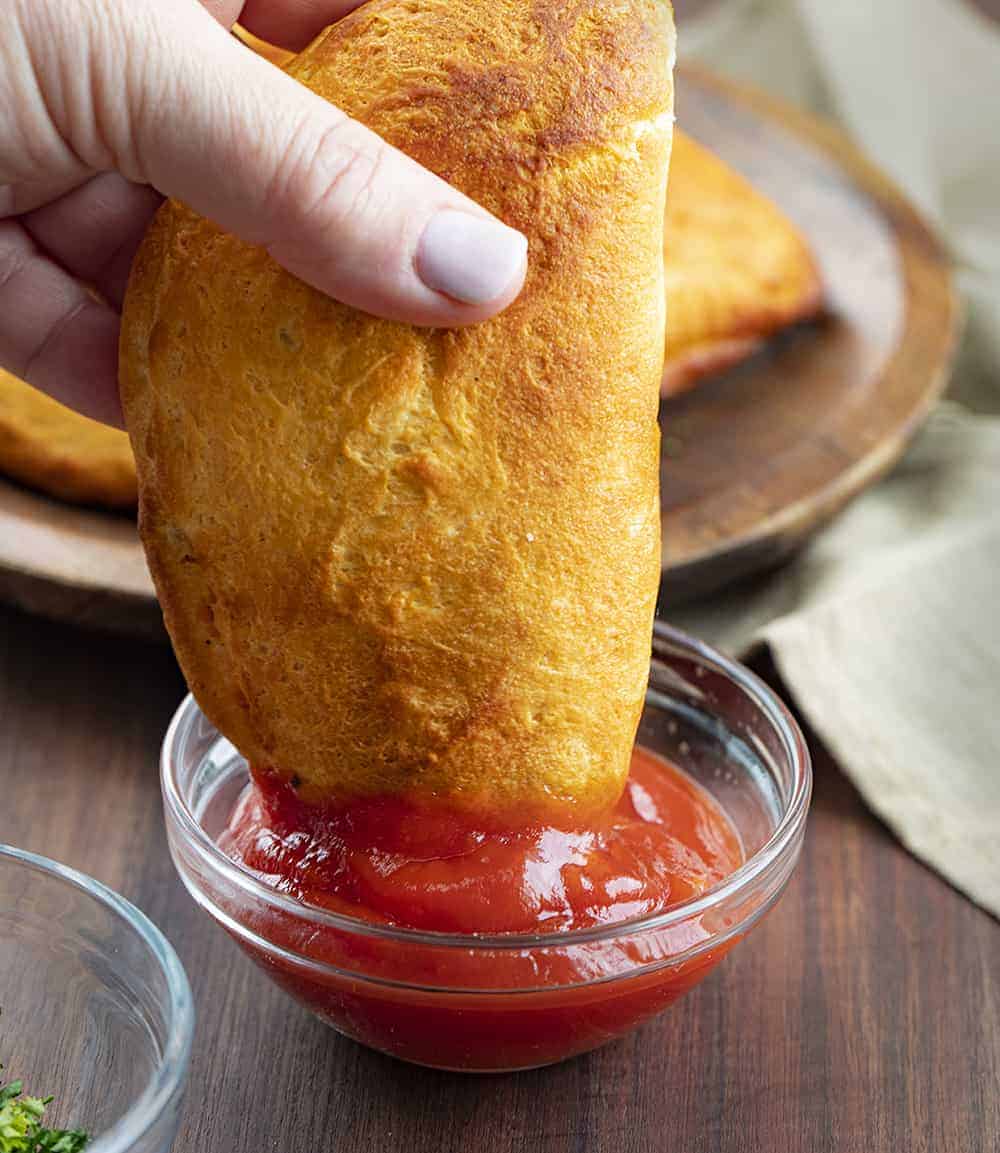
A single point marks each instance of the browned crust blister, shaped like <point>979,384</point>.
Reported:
<point>396,559</point>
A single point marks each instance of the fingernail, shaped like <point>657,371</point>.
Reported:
<point>470,258</point>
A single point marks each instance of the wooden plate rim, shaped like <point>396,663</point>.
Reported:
<point>928,282</point>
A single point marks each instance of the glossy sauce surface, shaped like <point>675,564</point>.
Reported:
<point>424,867</point>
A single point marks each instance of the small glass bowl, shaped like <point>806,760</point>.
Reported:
<point>491,1003</point>
<point>96,1008</point>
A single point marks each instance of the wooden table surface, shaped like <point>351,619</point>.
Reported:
<point>863,1014</point>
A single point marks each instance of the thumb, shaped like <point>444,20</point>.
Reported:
<point>247,146</point>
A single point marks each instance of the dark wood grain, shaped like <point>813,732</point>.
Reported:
<point>863,1015</point>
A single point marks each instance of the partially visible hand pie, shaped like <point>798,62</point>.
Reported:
<point>737,269</point>
<point>56,450</point>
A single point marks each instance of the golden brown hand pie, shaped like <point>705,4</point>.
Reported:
<point>737,270</point>
<point>392,558</point>
<point>54,449</point>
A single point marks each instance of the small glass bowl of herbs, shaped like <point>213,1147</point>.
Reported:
<point>23,1128</point>
<point>95,1013</point>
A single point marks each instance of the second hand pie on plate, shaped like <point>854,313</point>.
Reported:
<point>50,447</point>
<point>398,560</point>
<point>737,269</point>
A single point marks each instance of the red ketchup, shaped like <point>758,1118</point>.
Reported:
<point>395,862</point>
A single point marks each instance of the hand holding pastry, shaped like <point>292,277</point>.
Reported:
<point>399,560</point>
<point>108,105</point>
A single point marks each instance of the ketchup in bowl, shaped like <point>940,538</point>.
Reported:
<point>443,941</point>
<point>392,862</point>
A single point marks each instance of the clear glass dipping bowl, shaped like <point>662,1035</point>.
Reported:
<point>96,1008</point>
<point>512,1001</point>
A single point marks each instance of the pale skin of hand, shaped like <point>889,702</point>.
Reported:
<point>109,105</point>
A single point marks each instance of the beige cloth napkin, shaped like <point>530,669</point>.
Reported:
<point>887,628</point>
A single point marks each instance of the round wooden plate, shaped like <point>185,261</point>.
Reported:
<point>753,460</point>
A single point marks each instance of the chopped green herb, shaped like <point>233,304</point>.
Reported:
<point>21,1128</point>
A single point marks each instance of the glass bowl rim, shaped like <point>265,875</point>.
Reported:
<point>169,1077</point>
<point>783,839</point>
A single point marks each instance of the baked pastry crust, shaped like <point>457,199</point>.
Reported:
<point>50,447</point>
<point>395,559</point>
<point>737,269</point>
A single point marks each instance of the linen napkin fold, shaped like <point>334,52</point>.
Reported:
<point>886,631</point>
<point>886,628</point>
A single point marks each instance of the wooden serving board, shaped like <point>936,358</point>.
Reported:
<point>754,460</point>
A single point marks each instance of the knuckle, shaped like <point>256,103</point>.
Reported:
<point>50,337</point>
<point>332,181</point>
<point>15,252</point>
